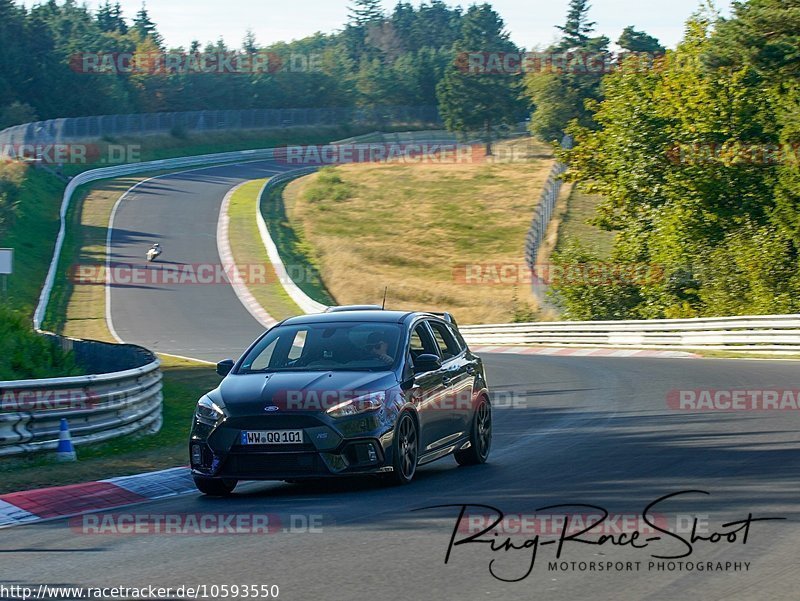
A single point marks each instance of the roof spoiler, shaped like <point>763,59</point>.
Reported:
<point>448,317</point>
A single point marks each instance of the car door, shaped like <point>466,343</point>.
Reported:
<point>428,392</point>
<point>458,377</point>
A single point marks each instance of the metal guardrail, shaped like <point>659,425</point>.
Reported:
<point>98,407</point>
<point>301,299</point>
<point>764,333</point>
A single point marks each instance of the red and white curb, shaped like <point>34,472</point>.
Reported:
<point>582,352</point>
<point>31,506</point>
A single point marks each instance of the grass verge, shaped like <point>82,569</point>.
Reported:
<point>250,255</point>
<point>296,253</point>
<point>438,235</point>
<point>32,233</point>
<point>575,226</point>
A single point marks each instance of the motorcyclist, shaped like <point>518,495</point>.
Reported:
<point>154,251</point>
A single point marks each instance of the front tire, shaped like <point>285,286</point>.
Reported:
<point>405,450</point>
<point>480,437</point>
<point>215,487</point>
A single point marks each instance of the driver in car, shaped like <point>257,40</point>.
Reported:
<point>377,346</point>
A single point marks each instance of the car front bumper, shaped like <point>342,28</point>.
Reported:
<point>355,445</point>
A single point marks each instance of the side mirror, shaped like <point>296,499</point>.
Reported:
<point>225,367</point>
<point>427,362</point>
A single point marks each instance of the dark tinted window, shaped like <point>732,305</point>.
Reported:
<point>421,342</point>
<point>445,340</point>
<point>340,346</point>
<point>457,337</point>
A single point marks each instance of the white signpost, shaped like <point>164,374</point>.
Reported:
<point>6,264</point>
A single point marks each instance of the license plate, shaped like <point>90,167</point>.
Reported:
<point>272,437</point>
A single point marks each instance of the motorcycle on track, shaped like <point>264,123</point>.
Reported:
<point>153,253</point>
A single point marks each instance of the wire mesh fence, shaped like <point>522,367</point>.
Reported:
<point>544,210</point>
<point>56,131</point>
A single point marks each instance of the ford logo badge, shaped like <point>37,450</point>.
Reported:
<point>270,408</point>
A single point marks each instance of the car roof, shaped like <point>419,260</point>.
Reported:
<point>351,316</point>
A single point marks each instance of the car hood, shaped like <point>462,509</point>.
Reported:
<point>315,391</point>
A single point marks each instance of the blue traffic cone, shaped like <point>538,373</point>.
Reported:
<point>65,451</point>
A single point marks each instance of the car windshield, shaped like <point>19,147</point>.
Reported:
<point>325,347</point>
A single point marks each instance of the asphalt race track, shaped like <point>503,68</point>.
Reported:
<point>571,430</point>
<point>180,212</point>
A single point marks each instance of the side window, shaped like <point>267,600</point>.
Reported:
<point>264,357</point>
<point>415,346</point>
<point>298,344</point>
<point>447,344</point>
<point>457,337</point>
<point>420,342</point>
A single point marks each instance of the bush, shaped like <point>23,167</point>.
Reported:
<point>583,297</point>
<point>10,178</point>
<point>329,185</point>
<point>179,131</point>
<point>27,355</point>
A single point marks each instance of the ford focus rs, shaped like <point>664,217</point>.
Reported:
<point>356,390</point>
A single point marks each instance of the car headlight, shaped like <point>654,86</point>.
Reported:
<point>362,404</point>
<point>208,410</point>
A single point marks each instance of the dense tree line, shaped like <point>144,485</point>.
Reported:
<point>698,161</point>
<point>567,81</point>
<point>375,59</point>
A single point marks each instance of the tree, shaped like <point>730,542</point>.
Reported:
<point>765,34</point>
<point>144,27</point>
<point>16,113</point>
<point>363,12</point>
<point>249,45</point>
<point>577,28</point>
<point>560,93</point>
<point>638,41</point>
<point>672,159</point>
<point>479,101</point>
<point>110,19</point>
<point>375,84</point>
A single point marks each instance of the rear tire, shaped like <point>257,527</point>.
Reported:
<point>215,487</point>
<point>405,450</point>
<point>480,437</point>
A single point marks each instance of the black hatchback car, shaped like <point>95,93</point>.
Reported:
<point>350,391</point>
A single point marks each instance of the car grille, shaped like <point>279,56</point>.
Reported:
<point>273,422</point>
<point>278,465</point>
<point>261,449</point>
